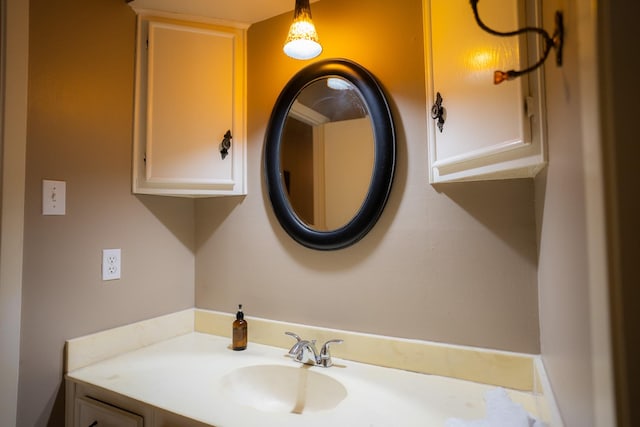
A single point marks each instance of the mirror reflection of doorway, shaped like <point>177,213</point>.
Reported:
<point>297,166</point>
<point>348,163</point>
<point>327,169</point>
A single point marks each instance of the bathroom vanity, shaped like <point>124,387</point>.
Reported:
<point>172,371</point>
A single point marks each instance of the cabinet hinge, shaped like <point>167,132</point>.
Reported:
<point>530,106</point>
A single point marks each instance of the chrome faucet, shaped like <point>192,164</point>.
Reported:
<point>305,351</point>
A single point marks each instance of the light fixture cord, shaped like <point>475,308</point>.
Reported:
<point>302,7</point>
<point>549,41</point>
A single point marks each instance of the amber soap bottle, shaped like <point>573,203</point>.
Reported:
<point>239,337</point>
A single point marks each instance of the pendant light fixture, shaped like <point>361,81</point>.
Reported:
<point>302,40</point>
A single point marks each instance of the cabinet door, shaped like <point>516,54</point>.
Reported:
<point>490,131</point>
<point>93,413</point>
<point>190,92</point>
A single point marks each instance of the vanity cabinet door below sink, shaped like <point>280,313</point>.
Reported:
<point>87,404</point>
<point>93,413</point>
<point>189,128</point>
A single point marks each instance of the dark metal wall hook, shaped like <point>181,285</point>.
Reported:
<point>554,41</point>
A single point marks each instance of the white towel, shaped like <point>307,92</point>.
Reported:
<point>501,412</point>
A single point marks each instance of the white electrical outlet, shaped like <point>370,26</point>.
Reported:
<point>111,264</point>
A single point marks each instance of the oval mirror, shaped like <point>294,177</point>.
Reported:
<point>329,154</point>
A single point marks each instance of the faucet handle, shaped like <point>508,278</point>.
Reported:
<point>296,351</point>
<point>296,336</point>
<point>325,354</point>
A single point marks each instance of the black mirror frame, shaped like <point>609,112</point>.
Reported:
<point>384,156</point>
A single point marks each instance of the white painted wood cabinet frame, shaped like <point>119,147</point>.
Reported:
<point>489,131</point>
<point>190,90</point>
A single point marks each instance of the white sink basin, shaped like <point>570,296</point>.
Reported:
<point>285,389</point>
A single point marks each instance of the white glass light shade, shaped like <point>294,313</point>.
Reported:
<point>302,40</point>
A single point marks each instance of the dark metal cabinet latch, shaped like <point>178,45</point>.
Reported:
<point>438,112</point>
<point>225,144</point>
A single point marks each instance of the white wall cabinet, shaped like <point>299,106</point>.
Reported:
<point>490,131</point>
<point>190,90</point>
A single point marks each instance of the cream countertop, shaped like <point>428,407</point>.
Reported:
<point>184,375</point>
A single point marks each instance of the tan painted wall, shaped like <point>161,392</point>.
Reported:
<point>455,263</point>
<point>79,130</point>
<point>572,275</point>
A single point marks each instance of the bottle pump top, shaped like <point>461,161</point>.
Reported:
<point>240,314</point>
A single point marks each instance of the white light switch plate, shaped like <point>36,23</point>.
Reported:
<point>53,197</point>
